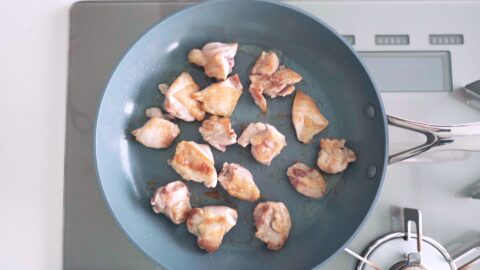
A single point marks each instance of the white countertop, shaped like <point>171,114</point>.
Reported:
<point>33,68</point>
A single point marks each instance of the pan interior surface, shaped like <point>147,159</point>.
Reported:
<point>129,172</point>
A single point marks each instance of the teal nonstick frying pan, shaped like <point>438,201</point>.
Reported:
<point>333,76</point>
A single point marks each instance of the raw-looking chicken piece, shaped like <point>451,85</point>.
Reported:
<point>307,181</point>
<point>273,223</point>
<point>210,224</point>
<point>156,133</point>
<point>266,78</point>
<point>216,58</point>
<point>267,142</point>
<point>154,112</point>
<point>307,118</point>
<point>194,162</point>
<point>334,156</point>
<point>172,200</point>
<point>179,102</point>
<point>218,132</point>
<point>157,112</point>
<point>238,182</point>
<point>220,98</point>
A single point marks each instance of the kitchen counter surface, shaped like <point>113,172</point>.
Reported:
<point>33,72</point>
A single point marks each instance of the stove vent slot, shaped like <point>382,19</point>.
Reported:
<point>454,39</point>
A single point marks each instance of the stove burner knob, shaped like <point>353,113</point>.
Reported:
<point>413,262</point>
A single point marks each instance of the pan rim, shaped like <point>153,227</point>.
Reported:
<point>381,110</point>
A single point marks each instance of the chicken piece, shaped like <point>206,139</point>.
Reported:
<point>238,182</point>
<point>216,58</point>
<point>210,224</point>
<point>267,142</point>
<point>173,200</point>
<point>279,83</point>
<point>307,118</point>
<point>273,224</point>
<point>256,91</point>
<point>266,79</point>
<point>154,112</point>
<point>334,156</point>
<point>307,181</point>
<point>220,98</point>
<point>178,100</point>
<point>266,64</point>
<point>157,112</point>
<point>194,162</point>
<point>157,133</point>
<point>218,132</point>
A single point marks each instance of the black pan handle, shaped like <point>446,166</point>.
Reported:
<point>464,137</point>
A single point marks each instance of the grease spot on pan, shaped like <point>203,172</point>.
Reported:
<point>310,208</point>
<point>372,170</point>
<point>369,111</point>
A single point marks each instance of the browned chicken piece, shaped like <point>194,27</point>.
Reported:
<point>267,142</point>
<point>172,200</point>
<point>210,224</point>
<point>179,102</point>
<point>307,118</point>
<point>273,224</point>
<point>307,181</point>
<point>334,156</point>
<point>157,133</point>
<point>266,64</point>
<point>220,98</point>
<point>266,78</point>
<point>256,91</point>
<point>218,132</point>
<point>238,182</point>
<point>216,58</point>
<point>195,162</point>
<point>280,83</point>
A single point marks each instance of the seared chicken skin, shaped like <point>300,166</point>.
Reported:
<point>238,182</point>
<point>307,118</point>
<point>266,78</point>
<point>220,98</point>
<point>267,142</point>
<point>216,58</point>
<point>273,224</point>
<point>157,132</point>
<point>195,162</point>
<point>218,132</point>
<point>334,156</point>
<point>210,224</point>
<point>307,181</point>
<point>279,83</point>
<point>172,200</point>
<point>178,99</point>
<point>267,63</point>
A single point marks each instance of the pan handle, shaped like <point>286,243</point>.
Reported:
<point>464,137</point>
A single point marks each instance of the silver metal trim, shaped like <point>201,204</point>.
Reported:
<point>401,235</point>
<point>413,215</point>
<point>464,137</point>
<point>466,252</point>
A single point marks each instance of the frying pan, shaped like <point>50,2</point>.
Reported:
<point>333,75</point>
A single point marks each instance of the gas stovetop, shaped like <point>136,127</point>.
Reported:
<point>421,55</point>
